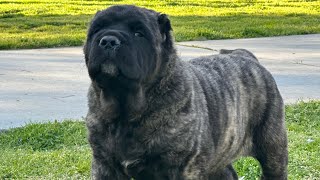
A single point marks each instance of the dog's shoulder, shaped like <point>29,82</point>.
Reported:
<point>240,52</point>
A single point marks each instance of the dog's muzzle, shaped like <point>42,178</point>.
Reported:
<point>109,42</point>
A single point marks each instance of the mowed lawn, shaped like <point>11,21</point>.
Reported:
<point>54,23</point>
<point>60,150</point>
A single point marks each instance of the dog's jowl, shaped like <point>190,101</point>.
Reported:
<point>154,116</point>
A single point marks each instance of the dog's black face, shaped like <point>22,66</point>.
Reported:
<point>125,51</point>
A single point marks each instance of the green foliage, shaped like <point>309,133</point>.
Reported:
<point>59,150</point>
<point>53,23</point>
<point>248,168</point>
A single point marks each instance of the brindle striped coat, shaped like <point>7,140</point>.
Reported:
<point>177,119</point>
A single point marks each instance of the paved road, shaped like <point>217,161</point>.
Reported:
<point>51,84</point>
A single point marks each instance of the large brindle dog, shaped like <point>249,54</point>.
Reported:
<point>153,116</point>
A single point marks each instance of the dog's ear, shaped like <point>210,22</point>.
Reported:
<point>164,23</point>
<point>165,26</point>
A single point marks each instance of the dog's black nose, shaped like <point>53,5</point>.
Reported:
<point>109,42</point>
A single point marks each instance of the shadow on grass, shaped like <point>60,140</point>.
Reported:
<point>19,31</point>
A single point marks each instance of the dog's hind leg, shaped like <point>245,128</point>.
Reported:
<point>270,144</point>
<point>226,174</point>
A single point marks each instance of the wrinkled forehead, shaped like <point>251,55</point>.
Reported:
<point>130,15</point>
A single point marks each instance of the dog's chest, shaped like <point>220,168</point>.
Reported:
<point>126,141</point>
<point>126,145</point>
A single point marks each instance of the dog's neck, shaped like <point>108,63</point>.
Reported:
<point>162,90</point>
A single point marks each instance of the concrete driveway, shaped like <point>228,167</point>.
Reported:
<point>51,84</point>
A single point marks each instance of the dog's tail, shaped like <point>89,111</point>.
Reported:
<point>242,52</point>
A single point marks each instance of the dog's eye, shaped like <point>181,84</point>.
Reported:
<point>138,34</point>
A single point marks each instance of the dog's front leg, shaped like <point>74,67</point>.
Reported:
<point>228,173</point>
<point>160,174</point>
<point>101,171</point>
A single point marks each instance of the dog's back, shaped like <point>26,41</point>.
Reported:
<point>245,109</point>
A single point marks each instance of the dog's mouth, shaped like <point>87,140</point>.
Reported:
<point>110,76</point>
<point>110,69</point>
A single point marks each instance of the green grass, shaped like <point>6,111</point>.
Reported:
<point>53,23</point>
<point>45,151</point>
<point>60,150</point>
